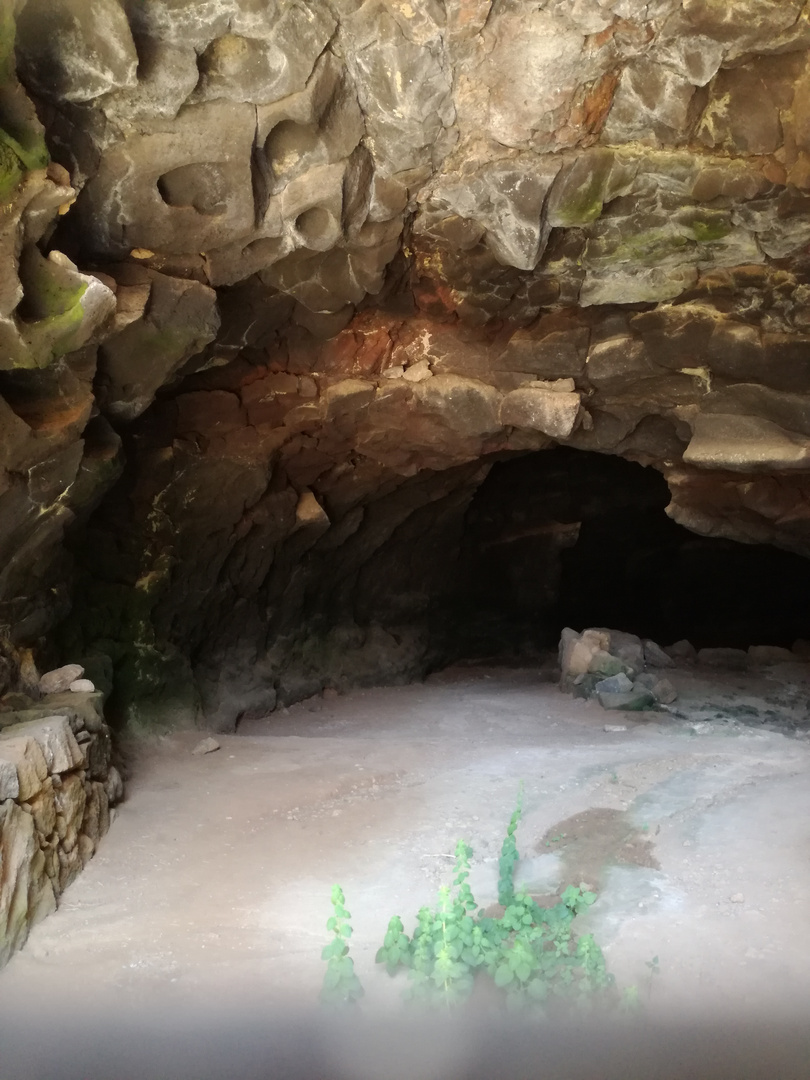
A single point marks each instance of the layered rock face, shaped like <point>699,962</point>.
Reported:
<point>281,278</point>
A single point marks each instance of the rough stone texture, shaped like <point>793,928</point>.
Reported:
<point>54,682</point>
<point>280,281</point>
<point>53,803</point>
<point>610,666</point>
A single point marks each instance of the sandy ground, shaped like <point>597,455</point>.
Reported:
<point>213,884</point>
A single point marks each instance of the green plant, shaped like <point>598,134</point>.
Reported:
<point>509,856</point>
<point>340,984</point>
<point>530,953</point>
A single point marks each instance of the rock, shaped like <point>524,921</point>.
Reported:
<point>54,682</point>
<point>583,686</point>
<point>70,798</point>
<point>654,655</point>
<point>14,703</point>
<point>86,848</point>
<point>71,53</point>
<point>627,648</point>
<point>26,894</point>
<point>664,692</point>
<point>552,413</point>
<point>206,746</point>
<point>82,710</point>
<point>745,444</point>
<point>114,786</point>
<point>43,809</point>
<point>632,701</point>
<point>9,781</point>
<point>606,665</point>
<point>682,650</point>
<point>95,820</point>
<point>23,753</point>
<point>576,651</point>
<point>770,654</point>
<point>330,693</point>
<point>55,738</point>
<point>615,727</point>
<point>82,686</point>
<point>737,898</point>
<point>418,372</point>
<point>616,684</point>
<point>733,659</point>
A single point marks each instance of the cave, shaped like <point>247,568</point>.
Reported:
<point>402,405</point>
<point>570,538</point>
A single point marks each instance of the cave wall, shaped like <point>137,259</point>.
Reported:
<point>280,277</point>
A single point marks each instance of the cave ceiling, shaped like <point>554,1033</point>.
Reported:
<point>281,277</point>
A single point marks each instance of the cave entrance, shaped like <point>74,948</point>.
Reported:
<point>571,538</point>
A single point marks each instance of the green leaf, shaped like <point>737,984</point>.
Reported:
<point>503,975</point>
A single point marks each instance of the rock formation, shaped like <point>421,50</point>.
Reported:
<point>282,278</point>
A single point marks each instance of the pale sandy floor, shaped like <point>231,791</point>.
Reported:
<point>212,889</point>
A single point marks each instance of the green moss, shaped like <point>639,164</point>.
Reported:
<point>579,194</point>
<point>11,171</point>
<point>29,146</point>
<point>582,205</point>
<point>50,289</point>
<point>706,232</point>
<point>647,248</point>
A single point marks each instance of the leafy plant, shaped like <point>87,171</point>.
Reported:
<point>340,984</point>
<point>509,856</point>
<point>530,953</point>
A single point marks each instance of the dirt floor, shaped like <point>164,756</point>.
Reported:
<point>693,825</point>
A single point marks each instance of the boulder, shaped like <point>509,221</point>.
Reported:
<point>733,659</point>
<point>682,651</point>
<point>605,665</point>
<point>627,648</point>
<point>770,654</point>
<point>661,689</point>
<point>577,651</point>
<point>654,655</point>
<point>616,684</point>
<point>631,701</point>
<point>23,753</point>
<point>59,680</point>
<point>55,739</point>
<point>552,413</point>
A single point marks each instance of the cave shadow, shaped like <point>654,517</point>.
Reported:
<point>573,538</point>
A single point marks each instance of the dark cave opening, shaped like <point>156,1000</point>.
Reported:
<point>571,538</point>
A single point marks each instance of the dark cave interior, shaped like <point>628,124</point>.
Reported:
<point>571,538</point>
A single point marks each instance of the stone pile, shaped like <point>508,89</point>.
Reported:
<point>623,671</point>
<point>57,786</point>
<point>618,669</point>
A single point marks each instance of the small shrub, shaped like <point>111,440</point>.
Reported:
<point>340,984</point>
<point>530,953</point>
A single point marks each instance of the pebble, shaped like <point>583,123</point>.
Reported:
<point>82,686</point>
<point>737,898</point>
<point>206,746</point>
<point>615,727</point>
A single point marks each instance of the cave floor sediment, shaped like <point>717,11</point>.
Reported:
<point>215,877</point>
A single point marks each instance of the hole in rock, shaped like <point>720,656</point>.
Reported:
<point>200,186</point>
<point>288,144</point>
<point>570,538</point>
<point>314,224</point>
